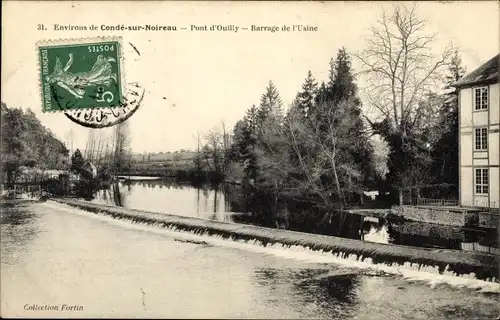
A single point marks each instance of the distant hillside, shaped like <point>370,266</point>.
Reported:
<point>26,142</point>
<point>160,163</point>
<point>178,156</point>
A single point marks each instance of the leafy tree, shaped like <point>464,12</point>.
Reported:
<point>269,149</point>
<point>26,142</point>
<point>345,89</point>
<point>305,99</point>
<point>77,162</point>
<point>343,86</point>
<point>445,153</point>
<point>341,93</point>
<point>244,141</point>
<point>13,146</point>
<point>271,105</point>
<point>303,108</point>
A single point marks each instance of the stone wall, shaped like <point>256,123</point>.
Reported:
<point>488,220</point>
<point>429,230</point>
<point>431,215</point>
<point>447,216</point>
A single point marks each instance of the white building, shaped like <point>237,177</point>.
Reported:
<point>479,144</point>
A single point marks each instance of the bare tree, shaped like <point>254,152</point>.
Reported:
<point>325,150</point>
<point>121,143</point>
<point>215,151</point>
<point>400,68</point>
<point>212,151</point>
<point>226,143</point>
<point>69,136</point>
<point>402,75</point>
<point>198,157</point>
<point>97,149</point>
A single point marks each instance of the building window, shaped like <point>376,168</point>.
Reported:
<point>482,181</point>
<point>481,135</point>
<point>481,98</point>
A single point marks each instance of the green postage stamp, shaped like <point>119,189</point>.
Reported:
<point>80,74</point>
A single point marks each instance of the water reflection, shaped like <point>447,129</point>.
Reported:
<point>18,228</point>
<point>231,203</point>
<point>167,197</point>
<point>438,236</point>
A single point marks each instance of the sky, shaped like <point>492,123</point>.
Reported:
<point>196,80</point>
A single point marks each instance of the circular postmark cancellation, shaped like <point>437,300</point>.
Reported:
<point>107,117</point>
<point>90,88</point>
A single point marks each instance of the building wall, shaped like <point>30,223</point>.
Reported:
<point>494,187</point>
<point>471,159</point>
<point>494,103</point>
<point>466,192</point>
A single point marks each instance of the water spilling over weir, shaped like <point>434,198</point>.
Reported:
<point>466,268</point>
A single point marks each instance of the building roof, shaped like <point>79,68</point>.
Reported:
<point>487,73</point>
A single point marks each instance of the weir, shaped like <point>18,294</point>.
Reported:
<point>477,265</point>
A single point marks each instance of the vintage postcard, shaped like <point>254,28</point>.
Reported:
<point>250,160</point>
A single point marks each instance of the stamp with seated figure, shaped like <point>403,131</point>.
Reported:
<point>80,74</point>
<point>85,80</point>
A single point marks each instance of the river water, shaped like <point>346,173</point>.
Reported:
<point>55,255</point>
<point>227,204</point>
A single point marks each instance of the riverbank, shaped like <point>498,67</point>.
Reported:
<point>484,266</point>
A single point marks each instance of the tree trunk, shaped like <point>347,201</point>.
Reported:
<point>337,183</point>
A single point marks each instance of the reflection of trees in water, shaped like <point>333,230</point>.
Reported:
<point>206,193</point>
<point>197,202</point>
<point>483,237</point>
<point>114,195</point>
<point>117,195</point>
<point>269,210</point>
<point>235,198</point>
<point>423,241</point>
<point>328,290</point>
<point>215,199</point>
<point>440,236</point>
<point>258,208</point>
<point>272,211</point>
<point>375,225</point>
<point>161,183</point>
<point>211,197</point>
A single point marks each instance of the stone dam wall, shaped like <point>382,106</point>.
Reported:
<point>484,266</point>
